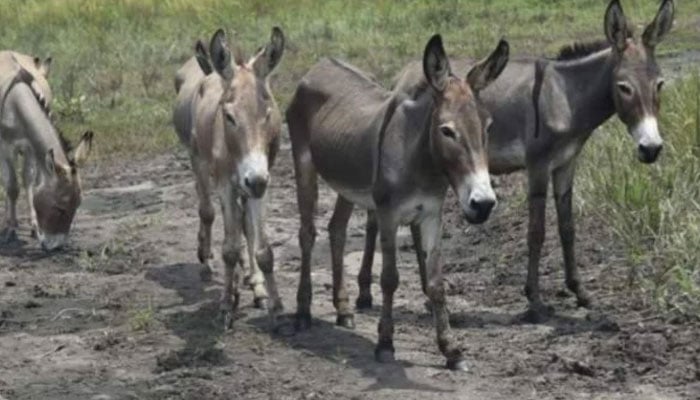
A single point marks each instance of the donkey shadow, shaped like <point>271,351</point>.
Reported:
<point>343,346</point>
<point>562,324</point>
<point>202,328</point>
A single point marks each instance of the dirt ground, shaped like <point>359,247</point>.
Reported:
<point>125,314</point>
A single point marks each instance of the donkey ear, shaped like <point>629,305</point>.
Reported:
<point>82,152</point>
<point>436,66</point>
<point>655,32</point>
<point>200,54</point>
<point>221,55</point>
<point>616,26</point>
<point>271,54</point>
<point>486,71</point>
<point>45,66</point>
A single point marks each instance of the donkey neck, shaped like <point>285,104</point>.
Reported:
<point>588,88</point>
<point>33,122</point>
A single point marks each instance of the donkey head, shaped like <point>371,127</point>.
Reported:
<point>251,119</point>
<point>57,193</point>
<point>459,125</point>
<point>637,78</point>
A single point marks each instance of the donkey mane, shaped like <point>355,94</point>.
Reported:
<point>578,50</point>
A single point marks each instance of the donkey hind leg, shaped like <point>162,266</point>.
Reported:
<point>231,252</point>
<point>562,182</point>
<point>430,235</point>
<point>206,210</point>
<point>337,228</point>
<point>537,197</point>
<point>8,232</point>
<point>364,278</point>
<point>307,197</point>
<point>389,280</point>
<point>28,177</point>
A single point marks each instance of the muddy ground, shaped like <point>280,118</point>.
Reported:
<point>125,314</point>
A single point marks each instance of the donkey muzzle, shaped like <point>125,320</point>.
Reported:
<point>648,154</point>
<point>256,185</point>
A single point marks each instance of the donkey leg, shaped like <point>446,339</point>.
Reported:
<point>231,252</point>
<point>430,234</point>
<point>384,352</point>
<point>537,198</point>
<point>28,177</point>
<point>364,278</point>
<point>9,180</point>
<point>421,257</point>
<point>206,210</point>
<point>252,228</point>
<point>562,182</point>
<point>307,197</point>
<point>337,228</point>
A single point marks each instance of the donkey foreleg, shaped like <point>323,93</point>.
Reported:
<point>364,278</point>
<point>537,199</point>
<point>231,252</point>
<point>430,236</point>
<point>206,210</point>
<point>562,183</point>
<point>259,251</point>
<point>389,280</point>
<point>9,180</point>
<point>28,177</point>
<point>337,228</point>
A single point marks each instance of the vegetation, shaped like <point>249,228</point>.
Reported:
<point>114,62</point>
<point>654,209</point>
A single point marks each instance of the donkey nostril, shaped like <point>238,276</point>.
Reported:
<point>649,154</point>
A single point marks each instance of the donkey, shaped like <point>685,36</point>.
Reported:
<point>227,118</point>
<point>51,168</point>
<point>396,155</point>
<point>573,95</point>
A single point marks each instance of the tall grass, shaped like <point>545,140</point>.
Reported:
<point>654,210</point>
<point>115,59</point>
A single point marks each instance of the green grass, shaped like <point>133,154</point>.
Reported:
<point>115,60</point>
<point>653,209</point>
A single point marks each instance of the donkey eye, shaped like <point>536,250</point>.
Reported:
<point>625,88</point>
<point>230,119</point>
<point>660,85</point>
<point>448,132</point>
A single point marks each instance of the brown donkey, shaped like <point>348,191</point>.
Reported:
<point>573,95</point>
<point>229,121</point>
<point>51,168</point>
<point>396,155</point>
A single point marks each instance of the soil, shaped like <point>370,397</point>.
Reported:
<point>124,312</point>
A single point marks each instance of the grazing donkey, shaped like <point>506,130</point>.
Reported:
<point>50,170</point>
<point>230,123</point>
<point>396,155</point>
<point>573,95</point>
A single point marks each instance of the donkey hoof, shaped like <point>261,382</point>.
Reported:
<point>8,235</point>
<point>363,303</point>
<point>583,300</point>
<point>345,321</point>
<point>205,272</point>
<point>260,303</point>
<point>428,306</point>
<point>384,355</point>
<point>227,319</point>
<point>302,322</point>
<point>538,313</point>
<point>458,364</point>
